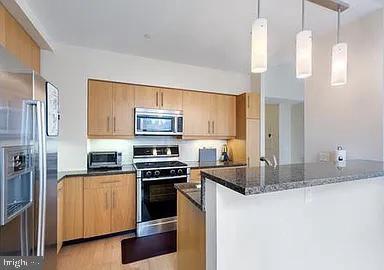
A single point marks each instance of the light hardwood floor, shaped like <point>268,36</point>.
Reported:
<point>105,254</point>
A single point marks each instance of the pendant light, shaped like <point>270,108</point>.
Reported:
<point>303,49</point>
<point>339,59</point>
<point>259,43</point>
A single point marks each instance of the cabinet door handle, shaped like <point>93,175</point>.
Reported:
<point>108,123</point>
<point>114,124</point>
<point>213,127</point>
<point>248,162</point>
<point>106,200</point>
<point>157,99</point>
<point>162,99</point>
<point>248,102</point>
<point>113,199</point>
<point>209,127</point>
<point>109,182</point>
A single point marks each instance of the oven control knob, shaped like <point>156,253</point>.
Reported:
<point>157,173</point>
<point>179,171</point>
<point>173,172</point>
<point>148,174</point>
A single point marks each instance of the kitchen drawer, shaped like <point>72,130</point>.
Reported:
<point>106,181</point>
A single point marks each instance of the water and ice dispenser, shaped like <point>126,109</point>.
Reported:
<point>16,181</point>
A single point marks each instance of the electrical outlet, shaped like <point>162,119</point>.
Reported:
<point>308,195</point>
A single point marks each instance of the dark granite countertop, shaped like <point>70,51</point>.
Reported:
<point>249,181</point>
<point>192,191</point>
<point>126,169</point>
<point>214,164</point>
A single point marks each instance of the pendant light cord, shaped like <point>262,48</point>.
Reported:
<point>338,25</point>
<point>258,9</point>
<point>302,14</point>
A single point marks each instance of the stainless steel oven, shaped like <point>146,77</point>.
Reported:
<point>158,122</point>
<point>157,200</point>
<point>156,193</point>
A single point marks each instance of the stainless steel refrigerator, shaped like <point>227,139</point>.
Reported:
<point>28,161</point>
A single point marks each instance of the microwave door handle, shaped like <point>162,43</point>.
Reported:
<point>40,116</point>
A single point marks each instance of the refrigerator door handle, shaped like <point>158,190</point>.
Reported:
<point>40,116</point>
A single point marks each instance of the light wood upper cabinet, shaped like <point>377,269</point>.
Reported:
<point>224,119</point>
<point>109,204</point>
<point>17,41</point>
<point>209,115</point>
<point>253,105</point>
<point>123,109</point>
<point>35,57</point>
<point>110,109</point>
<point>158,98</point>
<point>197,109</point>
<point>12,35</point>
<point>2,25</point>
<point>73,208</point>
<point>146,97</point>
<point>171,99</point>
<point>100,108</point>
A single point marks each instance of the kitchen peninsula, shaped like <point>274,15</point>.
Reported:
<point>292,216</point>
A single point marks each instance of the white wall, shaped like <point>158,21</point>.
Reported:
<point>280,83</point>
<point>70,67</point>
<point>350,115</point>
<point>332,227</point>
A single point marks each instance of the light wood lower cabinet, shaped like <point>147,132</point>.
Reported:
<point>109,204</point>
<point>124,207</point>
<point>97,213</point>
<point>60,215</point>
<point>73,208</point>
<point>190,235</point>
<point>195,175</point>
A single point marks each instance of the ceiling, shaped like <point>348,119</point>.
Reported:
<point>209,33</point>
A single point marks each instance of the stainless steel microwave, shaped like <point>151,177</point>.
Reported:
<point>158,122</point>
<point>99,160</point>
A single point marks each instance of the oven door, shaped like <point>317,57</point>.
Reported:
<point>158,199</point>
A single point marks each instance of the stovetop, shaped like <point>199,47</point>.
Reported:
<point>159,165</point>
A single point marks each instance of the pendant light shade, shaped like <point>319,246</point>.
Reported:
<point>339,64</point>
<point>259,46</point>
<point>303,49</point>
<point>304,54</point>
<point>339,59</point>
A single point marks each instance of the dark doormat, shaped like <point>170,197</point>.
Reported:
<point>141,248</point>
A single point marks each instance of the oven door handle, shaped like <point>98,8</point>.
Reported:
<point>164,178</point>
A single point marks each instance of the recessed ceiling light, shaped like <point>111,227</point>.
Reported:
<point>147,36</point>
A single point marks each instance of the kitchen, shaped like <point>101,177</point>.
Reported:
<point>159,142</point>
